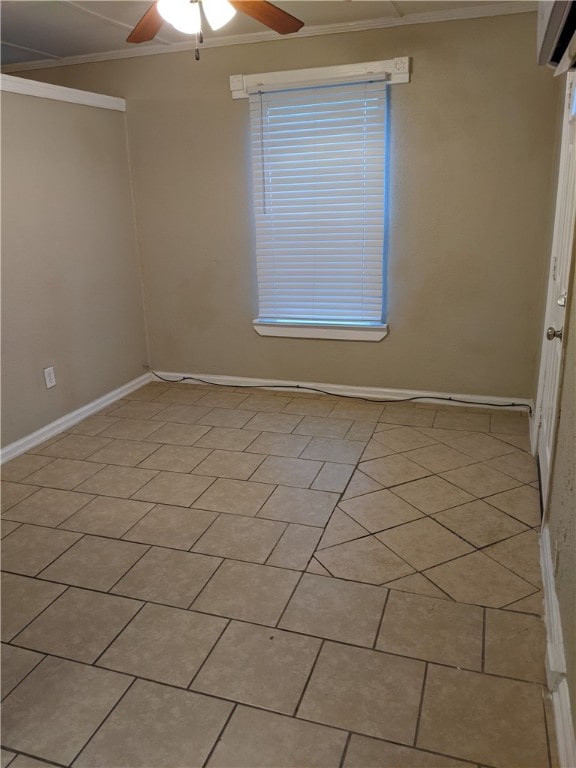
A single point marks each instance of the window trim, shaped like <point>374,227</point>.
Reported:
<point>311,330</point>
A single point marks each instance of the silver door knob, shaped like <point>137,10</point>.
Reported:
<point>552,334</point>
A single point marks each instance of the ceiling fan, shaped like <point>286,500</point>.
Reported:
<point>185,16</point>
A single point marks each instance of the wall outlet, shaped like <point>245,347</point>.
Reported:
<point>49,377</point>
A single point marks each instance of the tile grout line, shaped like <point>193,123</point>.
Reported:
<point>109,590</point>
<point>208,655</point>
<point>220,734</point>
<point>277,625</point>
<point>27,673</point>
<point>386,598</point>
<point>483,658</point>
<point>130,620</point>
<point>212,575</point>
<point>307,681</point>
<point>420,708</point>
<point>345,750</point>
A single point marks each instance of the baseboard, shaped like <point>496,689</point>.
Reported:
<point>349,390</point>
<point>61,424</point>
<point>556,659</point>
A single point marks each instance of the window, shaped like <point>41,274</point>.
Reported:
<point>319,188</point>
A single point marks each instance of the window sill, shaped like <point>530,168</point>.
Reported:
<point>312,331</point>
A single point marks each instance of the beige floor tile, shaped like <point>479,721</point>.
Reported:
<point>415,417</point>
<point>16,664</point>
<point>403,439</point>
<point>482,718</point>
<point>520,554</point>
<point>226,417</point>
<point>366,560</point>
<point>176,458</point>
<point>424,543</point>
<point>31,548</point>
<point>458,418</point>
<point>150,391</point>
<point>357,411</point>
<point>138,409</point>
<point>174,488</point>
<point>515,646</point>
<point>417,584</point>
<point>120,482</point>
<point>432,629</point>
<point>167,645</point>
<point>167,576</point>
<point>296,505</point>
<point>265,402</point>
<point>74,447</point>
<point>335,609</point>
<point>56,709</point>
<point>227,439</point>
<point>365,691</point>
<point>361,430</point>
<point>107,516</point>
<point>6,527</point>
<point>380,510</point>
<point>439,458</point>
<point>393,470</point>
<point>262,739</point>
<point>223,399</point>
<point>23,761</point>
<point>278,444</point>
<point>375,450</point>
<point>295,547</point>
<point>479,579</point>
<point>241,538</point>
<point>334,450</point>
<point>480,480</point>
<point>480,446</point>
<point>65,474</point>
<point>79,624</point>
<point>531,604</point>
<point>93,425</point>
<point>238,497</point>
<point>479,523</point>
<point>509,423</point>
<point>126,453</point>
<point>248,592</point>
<point>303,406</point>
<point>94,562</point>
<point>233,465</point>
<point>22,600</point>
<point>182,414</point>
<point>522,503</point>
<point>143,730</point>
<point>317,569</point>
<point>48,506</point>
<point>16,470</point>
<point>258,665</point>
<point>185,395</point>
<point>333,477</point>
<point>432,494</point>
<point>521,441</point>
<point>359,485</point>
<point>364,752</point>
<point>131,429</point>
<point>176,527</point>
<point>341,528</point>
<point>178,434</point>
<point>273,422</point>
<point>316,426</point>
<point>519,465</point>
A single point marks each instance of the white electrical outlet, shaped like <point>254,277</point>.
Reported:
<point>49,377</point>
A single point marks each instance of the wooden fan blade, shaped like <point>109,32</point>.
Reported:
<point>269,14</point>
<point>147,28</point>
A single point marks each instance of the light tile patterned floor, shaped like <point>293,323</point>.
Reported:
<point>227,577</point>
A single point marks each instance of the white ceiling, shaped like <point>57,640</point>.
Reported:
<point>51,32</point>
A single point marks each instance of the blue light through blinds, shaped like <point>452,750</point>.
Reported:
<point>319,157</point>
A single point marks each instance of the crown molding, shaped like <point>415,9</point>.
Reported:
<point>458,14</point>
<point>27,87</point>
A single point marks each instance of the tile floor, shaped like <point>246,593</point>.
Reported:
<point>205,576</point>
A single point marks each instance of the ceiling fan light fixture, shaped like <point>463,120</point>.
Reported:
<point>182,14</point>
<point>218,12</point>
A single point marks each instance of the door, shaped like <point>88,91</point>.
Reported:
<point>546,415</point>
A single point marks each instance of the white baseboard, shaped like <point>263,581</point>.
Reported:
<point>556,659</point>
<point>61,424</point>
<point>378,393</point>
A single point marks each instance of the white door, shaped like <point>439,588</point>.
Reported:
<point>546,415</point>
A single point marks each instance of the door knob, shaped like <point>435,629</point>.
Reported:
<point>552,333</point>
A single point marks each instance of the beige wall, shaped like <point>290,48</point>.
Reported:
<point>70,284</point>
<point>561,511</point>
<point>473,138</point>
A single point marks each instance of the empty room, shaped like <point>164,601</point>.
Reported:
<point>288,384</point>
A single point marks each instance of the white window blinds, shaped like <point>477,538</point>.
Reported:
<point>319,168</point>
